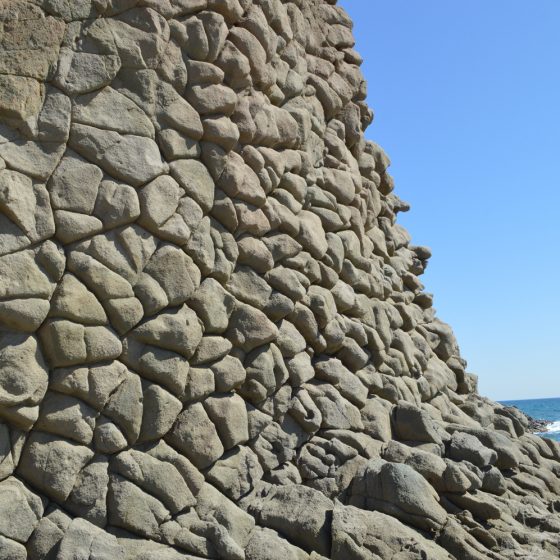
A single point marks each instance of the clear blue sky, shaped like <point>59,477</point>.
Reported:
<point>467,105</point>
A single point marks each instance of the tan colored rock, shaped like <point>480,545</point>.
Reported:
<point>80,72</point>
<point>131,158</point>
<point>52,464</point>
<point>195,435</point>
<point>109,109</point>
<point>26,215</point>
<point>250,328</point>
<point>20,97</point>
<point>229,414</point>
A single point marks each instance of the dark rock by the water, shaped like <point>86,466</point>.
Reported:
<point>535,425</point>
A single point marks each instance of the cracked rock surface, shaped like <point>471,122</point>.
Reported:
<point>213,339</point>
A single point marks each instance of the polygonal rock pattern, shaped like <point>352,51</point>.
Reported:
<point>213,339</point>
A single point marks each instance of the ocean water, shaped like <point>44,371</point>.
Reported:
<point>541,409</point>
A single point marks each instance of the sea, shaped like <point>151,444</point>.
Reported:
<point>541,409</point>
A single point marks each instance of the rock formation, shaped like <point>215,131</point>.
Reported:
<point>214,342</point>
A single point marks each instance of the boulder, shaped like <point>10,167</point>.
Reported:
<point>466,447</point>
<point>302,514</point>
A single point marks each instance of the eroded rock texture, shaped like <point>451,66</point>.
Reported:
<point>214,342</point>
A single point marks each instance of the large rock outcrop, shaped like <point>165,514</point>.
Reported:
<point>214,342</point>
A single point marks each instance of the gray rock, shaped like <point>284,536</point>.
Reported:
<point>250,328</point>
<point>336,412</point>
<point>229,414</point>
<point>74,185</point>
<point>213,305</point>
<point>212,99</point>
<point>246,285</point>
<point>211,349</point>
<point>300,369</point>
<point>174,111</point>
<point>27,216</point>
<point>398,490</point>
<point>164,206</point>
<point>21,352</point>
<point>195,435</point>
<point>349,385</point>
<point>111,110</point>
<point>266,544</point>
<point>413,424</point>
<point>160,478</point>
<point>72,300</point>
<point>68,417</point>
<point>159,411</point>
<point>41,462</point>
<point>67,343</point>
<point>300,513</point>
<point>236,473</point>
<point>132,509</point>
<point>48,534</point>
<point>88,499</point>
<point>195,180</point>
<point>180,331</point>
<point>465,447</point>
<point>12,550</point>
<point>200,384</point>
<point>84,540</point>
<point>20,510</point>
<point>356,533</point>
<point>254,253</point>
<point>290,342</point>
<point>133,159</point>
<point>229,373</point>
<point>82,72</point>
<point>376,416</point>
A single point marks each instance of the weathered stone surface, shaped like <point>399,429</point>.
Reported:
<point>109,109</point>
<point>128,157</point>
<point>214,342</point>
<point>26,216</point>
<point>21,353</point>
<point>213,305</point>
<point>82,72</point>
<point>132,509</point>
<point>179,332</point>
<point>357,532</point>
<point>20,510</point>
<point>20,98</point>
<point>249,328</point>
<point>398,490</point>
<point>195,435</point>
<point>52,464</point>
<point>236,473</point>
<point>301,513</point>
<point>467,447</point>
<point>195,180</point>
<point>160,478</point>
<point>84,540</point>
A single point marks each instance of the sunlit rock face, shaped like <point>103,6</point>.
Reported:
<point>214,342</point>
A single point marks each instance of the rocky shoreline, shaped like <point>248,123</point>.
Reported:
<point>535,425</point>
<point>538,426</point>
